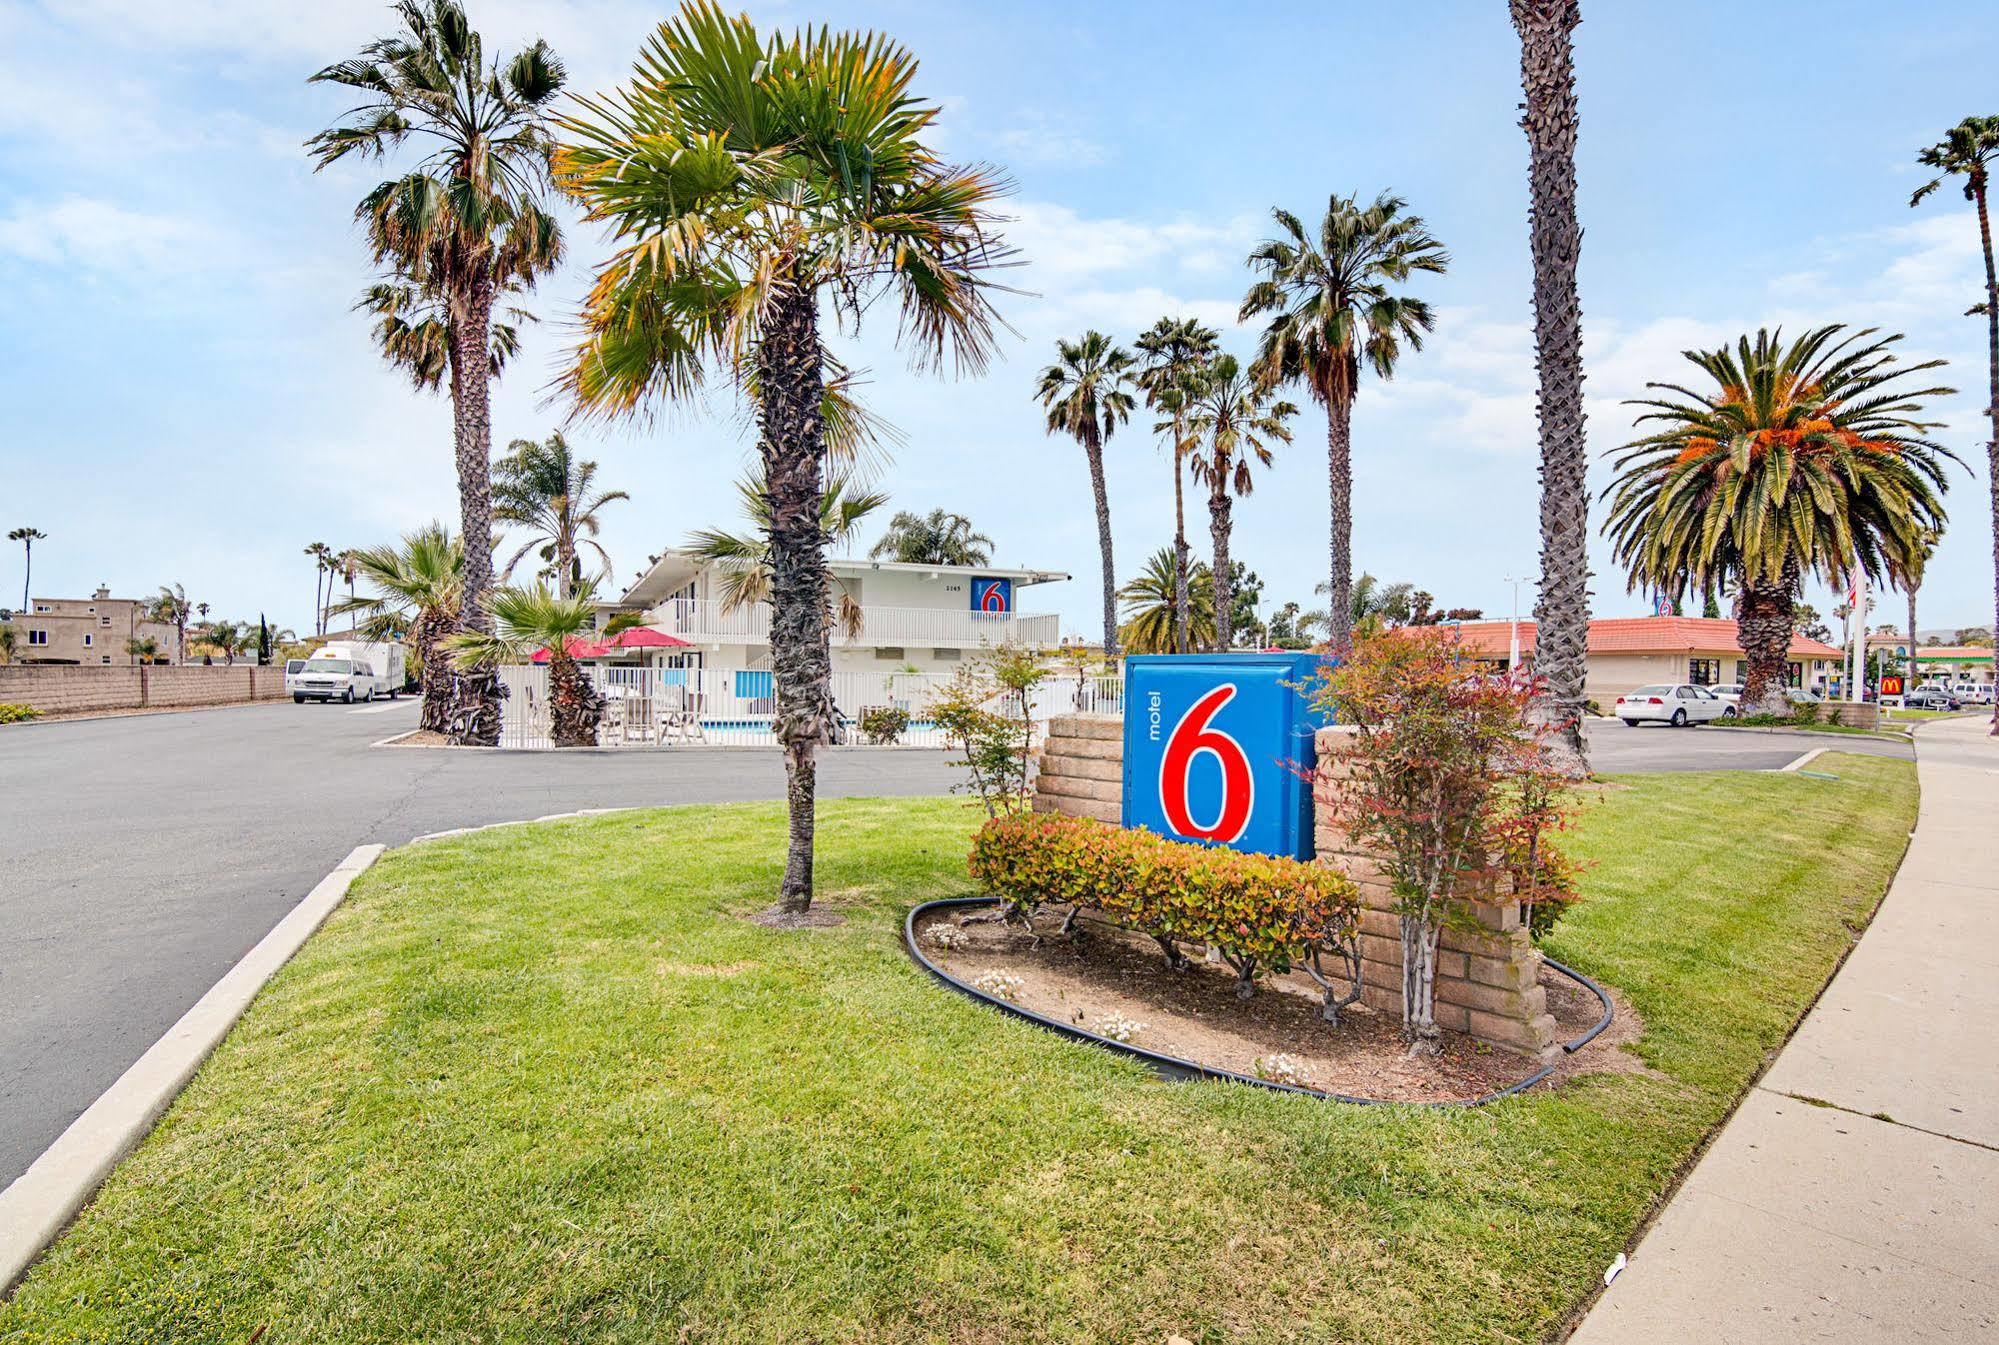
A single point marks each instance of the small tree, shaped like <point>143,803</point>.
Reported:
<point>1450,783</point>
<point>987,713</point>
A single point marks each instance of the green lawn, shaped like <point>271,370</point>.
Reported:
<point>542,1084</point>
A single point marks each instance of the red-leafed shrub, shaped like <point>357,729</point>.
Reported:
<point>1259,912</point>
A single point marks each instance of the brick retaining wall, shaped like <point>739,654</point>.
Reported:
<point>62,689</point>
<point>1488,984</point>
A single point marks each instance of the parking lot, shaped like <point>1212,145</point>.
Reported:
<point>146,854</point>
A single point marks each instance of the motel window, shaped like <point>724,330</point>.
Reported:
<point>887,653</point>
<point>944,655</point>
<point>88,639</point>
<point>38,637</point>
<point>1704,672</point>
<point>41,607</point>
<point>104,621</point>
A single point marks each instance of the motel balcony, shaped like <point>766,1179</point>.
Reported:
<point>703,620</point>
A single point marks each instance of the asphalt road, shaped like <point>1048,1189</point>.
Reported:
<point>140,857</point>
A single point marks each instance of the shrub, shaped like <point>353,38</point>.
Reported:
<point>10,713</point>
<point>987,713</point>
<point>884,724</point>
<point>1258,912</point>
<point>1451,782</point>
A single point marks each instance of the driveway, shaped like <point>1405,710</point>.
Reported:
<point>144,855</point>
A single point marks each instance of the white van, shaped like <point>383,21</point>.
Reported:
<point>293,666</point>
<point>1972,693</point>
<point>349,672</point>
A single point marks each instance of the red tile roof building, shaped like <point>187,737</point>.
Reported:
<point>1628,652</point>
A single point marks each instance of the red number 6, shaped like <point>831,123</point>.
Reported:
<point>1191,737</point>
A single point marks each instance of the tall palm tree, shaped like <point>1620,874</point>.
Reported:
<point>1331,305</point>
<point>27,537</point>
<point>1807,459</point>
<point>1088,395</point>
<point>745,176</point>
<point>1561,609</point>
<point>936,538</point>
<point>1230,425</point>
<point>321,556</point>
<point>1909,575</point>
<point>1150,624</point>
<point>1175,353</point>
<point>464,225</point>
<point>1968,151</point>
<point>547,489</point>
<point>418,585</point>
<point>171,608</point>
<point>744,559</point>
<point>528,619</point>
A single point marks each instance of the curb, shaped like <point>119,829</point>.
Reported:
<point>39,1204</point>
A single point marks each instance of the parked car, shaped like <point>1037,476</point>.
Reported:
<point>1677,704</point>
<point>1729,694</point>
<point>1930,698</point>
<point>292,669</point>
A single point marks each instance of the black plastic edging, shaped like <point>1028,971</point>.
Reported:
<point>1179,1070</point>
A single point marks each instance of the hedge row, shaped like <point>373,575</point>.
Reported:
<point>1259,912</point>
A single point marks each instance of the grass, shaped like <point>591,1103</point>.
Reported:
<point>543,1084</point>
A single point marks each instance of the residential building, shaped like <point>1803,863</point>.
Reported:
<point>891,616</point>
<point>98,630</point>
<point>1936,663</point>
<point>1630,652</point>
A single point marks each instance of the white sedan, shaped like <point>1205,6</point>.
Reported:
<point>1678,704</point>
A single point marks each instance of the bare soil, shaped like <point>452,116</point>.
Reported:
<point>1108,974</point>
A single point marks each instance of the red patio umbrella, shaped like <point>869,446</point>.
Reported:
<point>645,637</point>
<point>578,648</point>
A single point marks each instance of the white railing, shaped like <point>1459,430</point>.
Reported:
<point>705,619</point>
<point>718,707</point>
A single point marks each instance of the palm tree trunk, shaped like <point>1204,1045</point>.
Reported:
<point>27,570</point>
<point>475,694</point>
<point>1909,680</point>
<point>1561,612</point>
<point>1764,616</point>
<point>1339,487</point>
<point>574,706</point>
<point>1182,639</point>
<point>1219,509</point>
<point>790,370</point>
<point>1978,183</point>
<point>429,636</point>
<point>1093,448</point>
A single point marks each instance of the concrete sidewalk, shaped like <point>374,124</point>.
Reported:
<point>1854,1196</point>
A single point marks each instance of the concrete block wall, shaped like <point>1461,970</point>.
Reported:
<point>1852,714</point>
<point>63,689</point>
<point>1488,982</point>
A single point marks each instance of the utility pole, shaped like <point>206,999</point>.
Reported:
<point>1513,643</point>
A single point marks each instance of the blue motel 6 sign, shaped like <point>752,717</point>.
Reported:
<point>1217,746</point>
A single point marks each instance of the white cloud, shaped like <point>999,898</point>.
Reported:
<point>1049,143</point>
<point>97,235</point>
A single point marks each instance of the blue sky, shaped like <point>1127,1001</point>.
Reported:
<point>186,396</point>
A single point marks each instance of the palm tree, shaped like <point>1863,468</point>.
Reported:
<point>1806,459</point>
<point>419,584</point>
<point>936,538</point>
<point>549,490</point>
<point>1909,575</point>
<point>1176,353</point>
<point>27,537</point>
<point>172,608</point>
<point>746,176</point>
<point>1561,610</point>
<point>463,226</point>
<point>321,556</point>
<point>745,560</point>
<point>526,620</point>
<point>1331,306</point>
<point>143,650</point>
<point>1376,605</point>
<point>1968,151</point>
<point>1150,623</point>
<point>1230,424</point>
<point>10,641</point>
<point>222,637</point>
<point>1087,393</point>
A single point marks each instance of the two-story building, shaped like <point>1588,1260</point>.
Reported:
<point>95,631</point>
<point>906,618</point>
